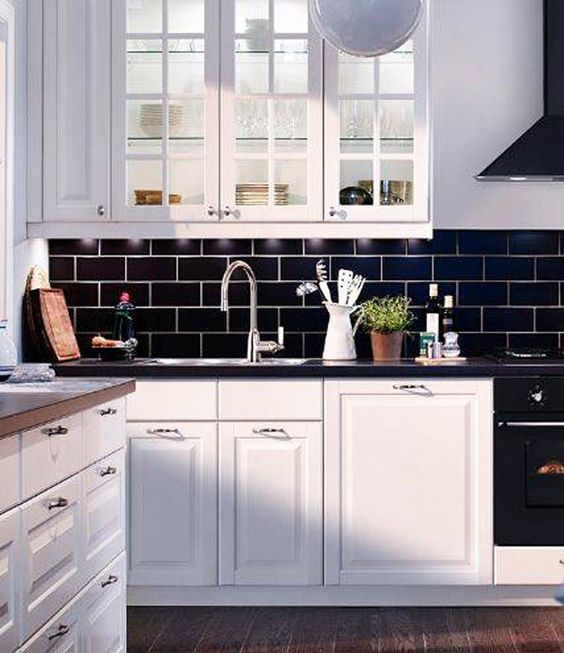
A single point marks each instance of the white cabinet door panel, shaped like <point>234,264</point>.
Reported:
<point>271,504</point>
<point>408,484</point>
<point>104,430</point>
<point>77,109</point>
<point>10,490</point>
<point>173,505</point>
<point>103,611</point>
<point>104,512</point>
<point>52,535</point>
<point>9,581</point>
<point>51,453</point>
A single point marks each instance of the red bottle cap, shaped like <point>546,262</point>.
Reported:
<point>124,297</point>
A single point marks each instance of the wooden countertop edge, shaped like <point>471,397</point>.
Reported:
<point>64,407</point>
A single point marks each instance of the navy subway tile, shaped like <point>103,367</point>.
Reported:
<point>550,268</point>
<point>550,319</point>
<point>509,319</point>
<point>534,294</point>
<point>482,294</point>
<point>177,247</point>
<point>371,247</point>
<point>534,242</point>
<point>369,267</point>
<point>74,247</point>
<point>407,268</point>
<point>151,268</point>
<point>322,247</point>
<point>482,242</point>
<point>201,268</point>
<point>175,294</point>
<point>61,268</point>
<point>110,293</point>
<point>510,268</point>
<point>175,345</point>
<point>443,242</point>
<point>227,247</point>
<point>100,269</point>
<point>278,247</point>
<point>201,319</point>
<point>459,268</point>
<point>131,247</point>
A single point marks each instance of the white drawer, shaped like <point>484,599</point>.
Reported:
<point>51,540</point>
<point>270,400</point>
<point>529,565</point>
<point>104,430</point>
<point>173,400</point>
<point>60,635</point>
<point>103,486</point>
<point>103,611</point>
<point>50,454</point>
<point>10,489</point>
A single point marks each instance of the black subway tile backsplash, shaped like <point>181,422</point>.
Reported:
<point>508,288</point>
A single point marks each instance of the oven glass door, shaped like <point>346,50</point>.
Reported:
<point>529,484</point>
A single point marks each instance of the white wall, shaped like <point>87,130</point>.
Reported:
<point>487,61</point>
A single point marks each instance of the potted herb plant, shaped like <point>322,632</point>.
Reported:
<point>387,319</point>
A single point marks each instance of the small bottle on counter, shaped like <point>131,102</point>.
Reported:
<point>433,311</point>
<point>124,319</point>
<point>447,321</point>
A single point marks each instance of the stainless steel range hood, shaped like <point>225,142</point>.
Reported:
<point>539,154</point>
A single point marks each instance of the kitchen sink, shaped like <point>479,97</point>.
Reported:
<point>220,362</point>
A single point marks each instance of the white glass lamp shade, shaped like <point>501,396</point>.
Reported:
<point>366,28</point>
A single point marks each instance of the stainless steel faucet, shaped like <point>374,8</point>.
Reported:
<point>255,346</point>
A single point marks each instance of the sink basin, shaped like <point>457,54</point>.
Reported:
<point>218,362</point>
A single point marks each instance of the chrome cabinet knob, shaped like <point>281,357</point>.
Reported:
<point>211,211</point>
<point>335,213</point>
<point>101,210</point>
<point>537,396</point>
<point>227,211</point>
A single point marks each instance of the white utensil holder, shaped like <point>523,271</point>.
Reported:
<point>339,342</point>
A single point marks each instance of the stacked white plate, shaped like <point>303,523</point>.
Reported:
<point>151,119</point>
<point>257,194</point>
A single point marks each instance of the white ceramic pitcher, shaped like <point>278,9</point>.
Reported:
<point>339,342</point>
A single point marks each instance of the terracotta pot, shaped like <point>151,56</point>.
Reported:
<point>386,346</point>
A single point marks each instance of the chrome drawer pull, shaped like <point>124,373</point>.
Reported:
<point>107,411</point>
<point>57,503</point>
<point>108,471</point>
<point>112,580</point>
<point>423,389</point>
<point>272,433</point>
<point>63,630</point>
<point>57,430</point>
<point>165,432</point>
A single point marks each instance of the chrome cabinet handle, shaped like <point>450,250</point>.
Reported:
<point>332,212</point>
<point>227,211</point>
<point>108,471</point>
<point>105,412</point>
<point>335,213</point>
<point>61,632</point>
<point>165,432</point>
<point>61,502</point>
<point>272,433</point>
<point>423,389</point>
<point>57,430</point>
<point>101,210</point>
<point>111,580</point>
<point>211,211</point>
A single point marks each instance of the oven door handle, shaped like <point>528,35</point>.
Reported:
<point>528,424</point>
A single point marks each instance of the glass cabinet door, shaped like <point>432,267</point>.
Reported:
<point>376,135</point>
<point>271,104</point>
<point>166,110</point>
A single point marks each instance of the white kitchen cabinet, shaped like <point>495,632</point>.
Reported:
<point>9,581</point>
<point>408,483</point>
<point>271,503</point>
<point>103,611</point>
<point>173,503</point>
<point>52,553</point>
<point>103,487</point>
<point>271,112</point>
<point>166,110</point>
<point>377,133</point>
<point>224,123</point>
<point>76,105</point>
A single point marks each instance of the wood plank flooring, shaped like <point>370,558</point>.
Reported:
<point>345,630</point>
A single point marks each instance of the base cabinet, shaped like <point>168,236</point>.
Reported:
<point>408,483</point>
<point>173,504</point>
<point>270,503</point>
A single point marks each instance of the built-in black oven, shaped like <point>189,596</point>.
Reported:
<point>529,462</point>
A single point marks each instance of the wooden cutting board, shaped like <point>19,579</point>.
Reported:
<point>54,326</point>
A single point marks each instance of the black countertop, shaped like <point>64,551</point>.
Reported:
<point>27,405</point>
<point>312,368</point>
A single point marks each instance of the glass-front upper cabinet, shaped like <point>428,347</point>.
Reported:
<point>272,112</point>
<point>166,110</point>
<point>376,135</point>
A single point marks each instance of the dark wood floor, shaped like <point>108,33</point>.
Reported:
<point>345,630</point>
